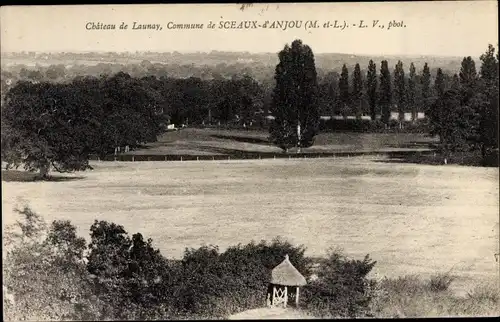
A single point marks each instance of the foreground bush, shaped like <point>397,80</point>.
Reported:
<point>342,288</point>
<point>220,284</point>
<point>412,296</point>
<point>130,276</point>
<point>44,272</point>
<point>50,274</point>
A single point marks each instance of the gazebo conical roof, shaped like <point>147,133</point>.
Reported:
<point>286,274</point>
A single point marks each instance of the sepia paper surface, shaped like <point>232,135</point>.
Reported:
<point>449,28</point>
<point>456,230</point>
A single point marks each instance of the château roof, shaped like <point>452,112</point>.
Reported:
<point>286,274</point>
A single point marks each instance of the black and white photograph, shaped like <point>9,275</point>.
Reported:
<point>250,161</point>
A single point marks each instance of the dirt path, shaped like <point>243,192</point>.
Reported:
<point>270,313</point>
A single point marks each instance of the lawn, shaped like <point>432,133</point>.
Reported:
<point>192,141</point>
<point>410,218</point>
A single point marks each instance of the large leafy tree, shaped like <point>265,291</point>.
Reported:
<point>371,84</point>
<point>453,114</point>
<point>450,120</point>
<point>129,111</point>
<point>129,274</point>
<point>46,127</point>
<point>249,98</point>
<point>58,126</point>
<point>294,102</point>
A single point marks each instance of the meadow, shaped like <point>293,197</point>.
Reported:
<point>411,219</point>
<point>214,141</point>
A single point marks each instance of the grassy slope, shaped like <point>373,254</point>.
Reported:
<point>410,218</point>
<point>213,141</point>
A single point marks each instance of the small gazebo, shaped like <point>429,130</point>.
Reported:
<point>284,286</point>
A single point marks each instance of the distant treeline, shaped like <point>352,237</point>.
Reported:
<point>326,61</point>
<point>66,120</point>
<point>346,92</point>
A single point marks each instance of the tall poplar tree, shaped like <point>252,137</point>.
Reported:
<point>468,79</point>
<point>472,99</point>
<point>412,92</point>
<point>385,97</point>
<point>488,127</point>
<point>455,82</point>
<point>400,91</point>
<point>489,65</point>
<point>294,102</point>
<point>344,91</point>
<point>371,84</point>
<point>439,83</point>
<point>327,92</point>
<point>357,91</point>
<point>425,81</point>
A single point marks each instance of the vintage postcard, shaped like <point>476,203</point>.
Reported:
<point>250,160</point>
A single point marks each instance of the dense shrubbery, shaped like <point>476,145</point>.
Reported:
<point>219,284</point>
<point>45,272</point>
<point>128,273</point>
<point>51,274</point>
<point>413,297</point>
<point>342,287</point>
<point>118,277</point>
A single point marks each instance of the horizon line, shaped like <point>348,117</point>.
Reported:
<point>229,51</point>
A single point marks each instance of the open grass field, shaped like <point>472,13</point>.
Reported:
<point>194,141</point>
<point>410,218</point>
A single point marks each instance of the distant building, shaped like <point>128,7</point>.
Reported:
<point>407,116</point>
<point>394,116</point>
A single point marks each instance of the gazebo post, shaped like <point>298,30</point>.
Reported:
<point>297,297</point>
<point>286,295</point>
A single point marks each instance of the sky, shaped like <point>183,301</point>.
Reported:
<point>448,28</point>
